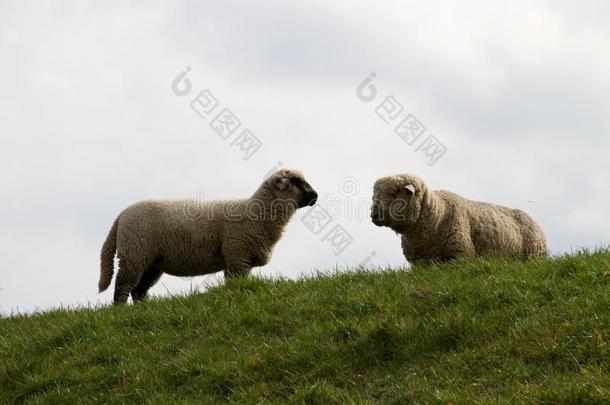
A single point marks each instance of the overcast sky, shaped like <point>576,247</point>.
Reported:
<point>517,93</point>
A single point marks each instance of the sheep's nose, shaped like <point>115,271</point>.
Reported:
<point>375,216</point>
<point>313,198</point>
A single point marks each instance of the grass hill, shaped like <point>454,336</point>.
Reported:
<point>469,331</point>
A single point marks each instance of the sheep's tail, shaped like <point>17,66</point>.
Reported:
<point>107,257</point>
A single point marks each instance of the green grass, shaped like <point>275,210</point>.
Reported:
<point>470,331</point>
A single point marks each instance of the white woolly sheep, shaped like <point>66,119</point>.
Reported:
<point>440,225</point>
<point>189,238</point>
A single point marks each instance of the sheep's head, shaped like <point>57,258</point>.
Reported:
<point>290,185</point>
<point>397,201</point>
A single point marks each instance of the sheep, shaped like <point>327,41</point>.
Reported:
<point>437,226</point>
<point>189,238</point>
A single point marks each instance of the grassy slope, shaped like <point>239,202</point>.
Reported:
<point>479,331</point>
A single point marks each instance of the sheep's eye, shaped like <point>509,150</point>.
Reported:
<point>296,182</point>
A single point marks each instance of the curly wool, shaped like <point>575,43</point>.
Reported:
<point>189,238</point>
<point>441,225</point>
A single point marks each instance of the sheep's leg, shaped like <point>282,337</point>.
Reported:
<point>148,279</point>
<point>458,243</point>
<point>233,272</point>
<point>127,278</point>
<point>236,268</point>
<point>236,263</point>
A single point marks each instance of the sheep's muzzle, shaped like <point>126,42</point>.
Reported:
<point>376,215</point>
<point>309,198</point>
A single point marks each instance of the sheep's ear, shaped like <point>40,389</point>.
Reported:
<point>410,188</point>
<point>282,183</point>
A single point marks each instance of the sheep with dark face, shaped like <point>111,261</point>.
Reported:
<point>189,238</point>
<point>440,225</point>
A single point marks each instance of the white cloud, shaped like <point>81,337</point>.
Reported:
<point>517,92</point>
